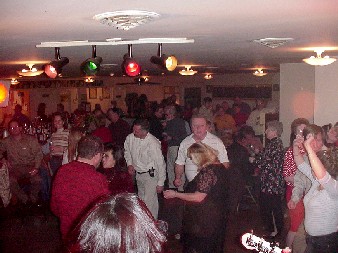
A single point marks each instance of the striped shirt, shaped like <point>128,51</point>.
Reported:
<point>321,206</point>
<point>60,138</point>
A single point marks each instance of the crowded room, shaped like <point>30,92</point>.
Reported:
<point>169,127</point>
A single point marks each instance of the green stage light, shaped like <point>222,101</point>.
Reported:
<point>92,65</point>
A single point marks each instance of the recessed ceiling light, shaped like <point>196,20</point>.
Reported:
<point>32,71</point>
<point>259,72</point>
<point>208,76</point>
<point>187,71</point>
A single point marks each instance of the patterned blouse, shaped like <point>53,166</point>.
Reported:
<point>289,165</point>
<point>270,163</point>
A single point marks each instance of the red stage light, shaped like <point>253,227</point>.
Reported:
<point>131,67</point>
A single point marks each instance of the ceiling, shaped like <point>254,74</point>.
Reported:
<point>223,33</point>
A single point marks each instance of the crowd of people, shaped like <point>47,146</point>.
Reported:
<point>103,175</point>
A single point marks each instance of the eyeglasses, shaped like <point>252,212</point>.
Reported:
<point>14,127</point>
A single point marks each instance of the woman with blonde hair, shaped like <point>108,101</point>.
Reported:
<point>205,202</point>
<point>73,139</point>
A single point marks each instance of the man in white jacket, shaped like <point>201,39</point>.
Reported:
<point>144,158</point>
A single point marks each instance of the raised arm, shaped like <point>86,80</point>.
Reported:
<point>317,166</point>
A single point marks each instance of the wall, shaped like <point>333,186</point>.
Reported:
<point>297,87</point>
<point>70,97</point>
<point>51,97</point>
<point>155,92</point>
<point>326,95</point>
<point>309,92</point>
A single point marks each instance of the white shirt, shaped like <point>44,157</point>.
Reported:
<point>257,120</point>
<point>210,140</point>
<point>145,154</point>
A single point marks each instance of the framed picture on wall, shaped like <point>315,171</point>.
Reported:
<point>105,92</point>
<point>92,93</point>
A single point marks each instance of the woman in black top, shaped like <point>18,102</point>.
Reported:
<point>205,208</point>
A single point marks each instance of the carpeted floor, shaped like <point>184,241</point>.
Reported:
<point>36,230</point>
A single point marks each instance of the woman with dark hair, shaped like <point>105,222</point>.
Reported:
<point>121,224</point>
<point>204,219</point>
<point>115,168</point>
<point>289,172</point>
<point>321,201</point>
<point>58,143</point>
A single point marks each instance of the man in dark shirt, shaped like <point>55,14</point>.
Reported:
<point>174,132</point>
<point>77,185</point>
<point>156,127</point>
<point>239,169</point>
<point>118,127</point>
<point>21,118</point>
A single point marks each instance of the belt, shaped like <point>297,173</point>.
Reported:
<point>143,172</point>
<point>150,171</point>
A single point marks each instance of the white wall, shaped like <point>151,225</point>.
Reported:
<point>326,96</point>
<point>297,87</point>
<point>308,92</point>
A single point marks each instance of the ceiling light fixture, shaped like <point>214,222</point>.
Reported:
<point>319,60</point>
<point>127,19</point>
<point>14,81</point>
<point>163,61</point>
<point>208,76</point>
<point>89,79</point>
<point>273,42</point>
<point>187,71</point>
<point>54,68</point>
<point>31,71</point>
<point>129,66</point>
<point>92,65</point>
<point>259,72</point>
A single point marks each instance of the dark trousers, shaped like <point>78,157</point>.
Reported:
<point>322,244</point>
<point>45,184</point>
<point>55,163</point>
<point>269,204</point>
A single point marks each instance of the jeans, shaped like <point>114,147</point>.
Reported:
<point>322,244</point>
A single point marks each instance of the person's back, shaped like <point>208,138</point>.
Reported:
<point>77,185</point>
<point>75,188</point>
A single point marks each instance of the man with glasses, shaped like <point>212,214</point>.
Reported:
<point>77,185</point>
<point>24,157</point>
